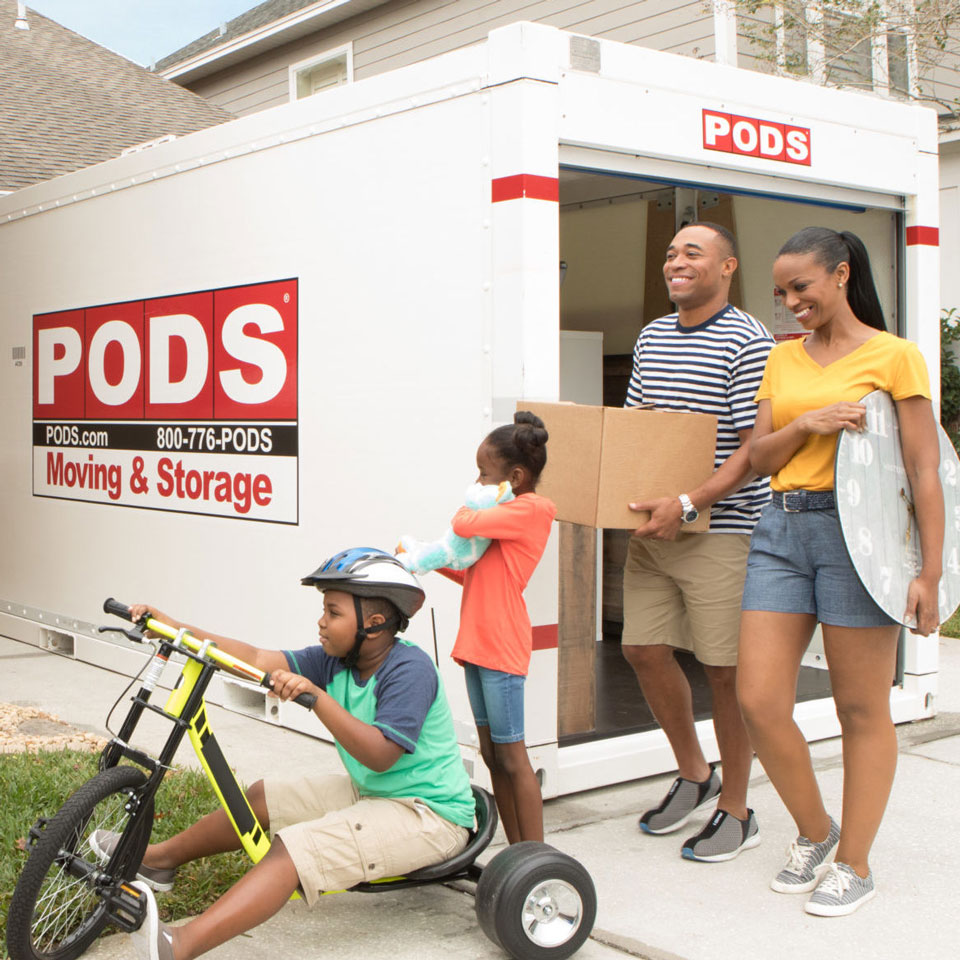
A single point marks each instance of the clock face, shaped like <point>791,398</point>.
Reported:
<point>875,506</point>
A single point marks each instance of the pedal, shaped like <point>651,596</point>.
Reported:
<point>126,906</point>
<point>36,831</point>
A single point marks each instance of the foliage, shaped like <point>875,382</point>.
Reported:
<point>950,374</point>
<point>841,42</point>
<point>36,784</point>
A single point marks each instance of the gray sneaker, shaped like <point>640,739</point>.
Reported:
<point>683,800</point>
<point>841,891</point>
<point>722,838</point>
<point>104,842</point>
<point>806,862</point>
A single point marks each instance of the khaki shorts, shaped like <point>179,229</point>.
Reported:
<point>337,840</point>
<point>686,593</point>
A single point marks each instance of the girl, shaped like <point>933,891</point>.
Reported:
<point>495,637</point>
<point>799,573</point>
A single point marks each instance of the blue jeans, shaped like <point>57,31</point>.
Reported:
<point>496,699</point>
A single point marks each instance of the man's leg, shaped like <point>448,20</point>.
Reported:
<point>736,751</point>
<point>667,692</point>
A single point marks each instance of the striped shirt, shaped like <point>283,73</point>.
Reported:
<point>715,367</point>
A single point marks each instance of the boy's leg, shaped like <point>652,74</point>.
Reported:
<point>211,834</point>
<point>256,897</point>
<point>523,789</point>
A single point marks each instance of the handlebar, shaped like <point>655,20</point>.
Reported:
<point>219,657</point>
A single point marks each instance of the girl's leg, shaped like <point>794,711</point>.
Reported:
<point>209,835</point>
<point>524,789</point>
<point>862,664</point>
<point>255,897</point>
<point>502,786</point>
<point>771,648</point>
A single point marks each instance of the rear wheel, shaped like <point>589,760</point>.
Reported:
<point>56,910</point>
<point>536,902</point>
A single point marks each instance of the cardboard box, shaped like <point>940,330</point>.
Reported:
<point>599,459</point>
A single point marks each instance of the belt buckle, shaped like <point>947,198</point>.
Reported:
<point>799,499</point>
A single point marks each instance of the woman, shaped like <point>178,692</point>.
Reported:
<point>799,573</point>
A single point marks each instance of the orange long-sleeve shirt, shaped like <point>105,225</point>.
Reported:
<point>495,629</point>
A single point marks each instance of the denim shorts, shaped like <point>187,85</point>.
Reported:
<point>798,563</point>
<point>496,699</point>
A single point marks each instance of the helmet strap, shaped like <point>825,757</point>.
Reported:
<point>350,660</point>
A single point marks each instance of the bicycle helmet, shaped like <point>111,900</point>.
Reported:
<point>369,572</point>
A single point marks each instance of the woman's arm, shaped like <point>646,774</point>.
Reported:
<point>771,450</point>
<point>921,458</point>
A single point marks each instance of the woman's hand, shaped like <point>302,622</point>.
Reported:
<point>287,685</point>
<point>833,419</point>
<point>923,608</point>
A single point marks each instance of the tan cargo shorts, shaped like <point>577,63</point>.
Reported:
<point>337,839</point>
<point>686,593</point>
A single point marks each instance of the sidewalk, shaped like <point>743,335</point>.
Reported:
<point>652,903</point>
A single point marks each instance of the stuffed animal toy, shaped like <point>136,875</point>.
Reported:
<point>457,553</point>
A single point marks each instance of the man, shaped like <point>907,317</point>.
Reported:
<point>681,589</point>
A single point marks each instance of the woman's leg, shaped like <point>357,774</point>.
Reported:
<point>862,664</point>
<point>771,649</point>
<point>211,834</point>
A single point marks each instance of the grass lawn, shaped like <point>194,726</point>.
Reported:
<point>34,785</point>
<point>951,627</point>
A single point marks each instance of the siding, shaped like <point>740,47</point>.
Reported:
<point>405,31</point>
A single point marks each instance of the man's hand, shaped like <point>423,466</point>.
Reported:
<point>666,518</point>
<point>287,685</point>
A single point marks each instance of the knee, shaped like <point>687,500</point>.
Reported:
<point>646,658</point>
<point>760,709</point>
<point>489,755</point>
<point>512,758</point>
<point>257,798</point>
<point>858,717</point>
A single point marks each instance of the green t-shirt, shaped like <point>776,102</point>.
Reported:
<point>406,701</point>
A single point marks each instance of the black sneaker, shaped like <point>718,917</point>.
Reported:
<point>104,842</point>
<point>723,838</point>
<point>682,801</point>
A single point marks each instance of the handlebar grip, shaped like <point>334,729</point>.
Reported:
<point>306,700</point>
<point>117,608</point>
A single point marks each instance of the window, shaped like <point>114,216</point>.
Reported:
<point>330,69</point>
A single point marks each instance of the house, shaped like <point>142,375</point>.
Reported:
<point>282,50</point>
<point>66,102</point>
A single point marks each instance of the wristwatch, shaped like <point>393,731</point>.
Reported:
<point>690,512</point>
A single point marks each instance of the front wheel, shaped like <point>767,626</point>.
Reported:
<point>536,902</point>
<point>56,910</point>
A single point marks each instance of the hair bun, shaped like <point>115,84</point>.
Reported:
<point>530,432</point>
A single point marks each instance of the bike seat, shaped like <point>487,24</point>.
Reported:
<point>479,840</point>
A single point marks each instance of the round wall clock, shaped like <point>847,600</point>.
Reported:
<point>875,507</point>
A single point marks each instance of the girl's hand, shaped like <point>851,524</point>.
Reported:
<point>833,419</point>
<point>287,685</point>
<point>922,607</point>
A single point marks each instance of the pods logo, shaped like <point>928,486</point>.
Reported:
<point>750,137</point>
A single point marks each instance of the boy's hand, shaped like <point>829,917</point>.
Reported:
<point>287,685</point>
<point>138,610</point>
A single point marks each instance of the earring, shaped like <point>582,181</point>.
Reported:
<point>840,283</point>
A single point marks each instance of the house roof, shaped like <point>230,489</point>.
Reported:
<point>66,102</point>
<point>261,28</point>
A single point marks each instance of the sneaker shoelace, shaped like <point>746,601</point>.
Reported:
<point>800,855</point>
<point>835,883</point>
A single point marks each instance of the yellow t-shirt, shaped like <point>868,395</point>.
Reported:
<point>794,383</point>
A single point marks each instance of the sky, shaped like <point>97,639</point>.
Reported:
<point>141,30</point>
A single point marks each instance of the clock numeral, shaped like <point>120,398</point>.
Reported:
<point>948,470</point>
<point>877,421</point>
<point>953,561</point>
<point>865,541</point>
<point>862,451</point>
<point>941,596</point>
<point>853,492</point>
<point>886,579</point>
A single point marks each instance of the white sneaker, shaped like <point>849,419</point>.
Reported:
<point>841,891</point>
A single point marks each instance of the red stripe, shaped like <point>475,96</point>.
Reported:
<point>546,637</point>
<point>525,185</point>
<point>925,236</point>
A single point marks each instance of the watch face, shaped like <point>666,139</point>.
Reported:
<point>875,506</point>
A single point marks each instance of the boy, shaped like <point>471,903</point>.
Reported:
<point>406,802</point>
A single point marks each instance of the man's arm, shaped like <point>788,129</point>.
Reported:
<point>666,512</point>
